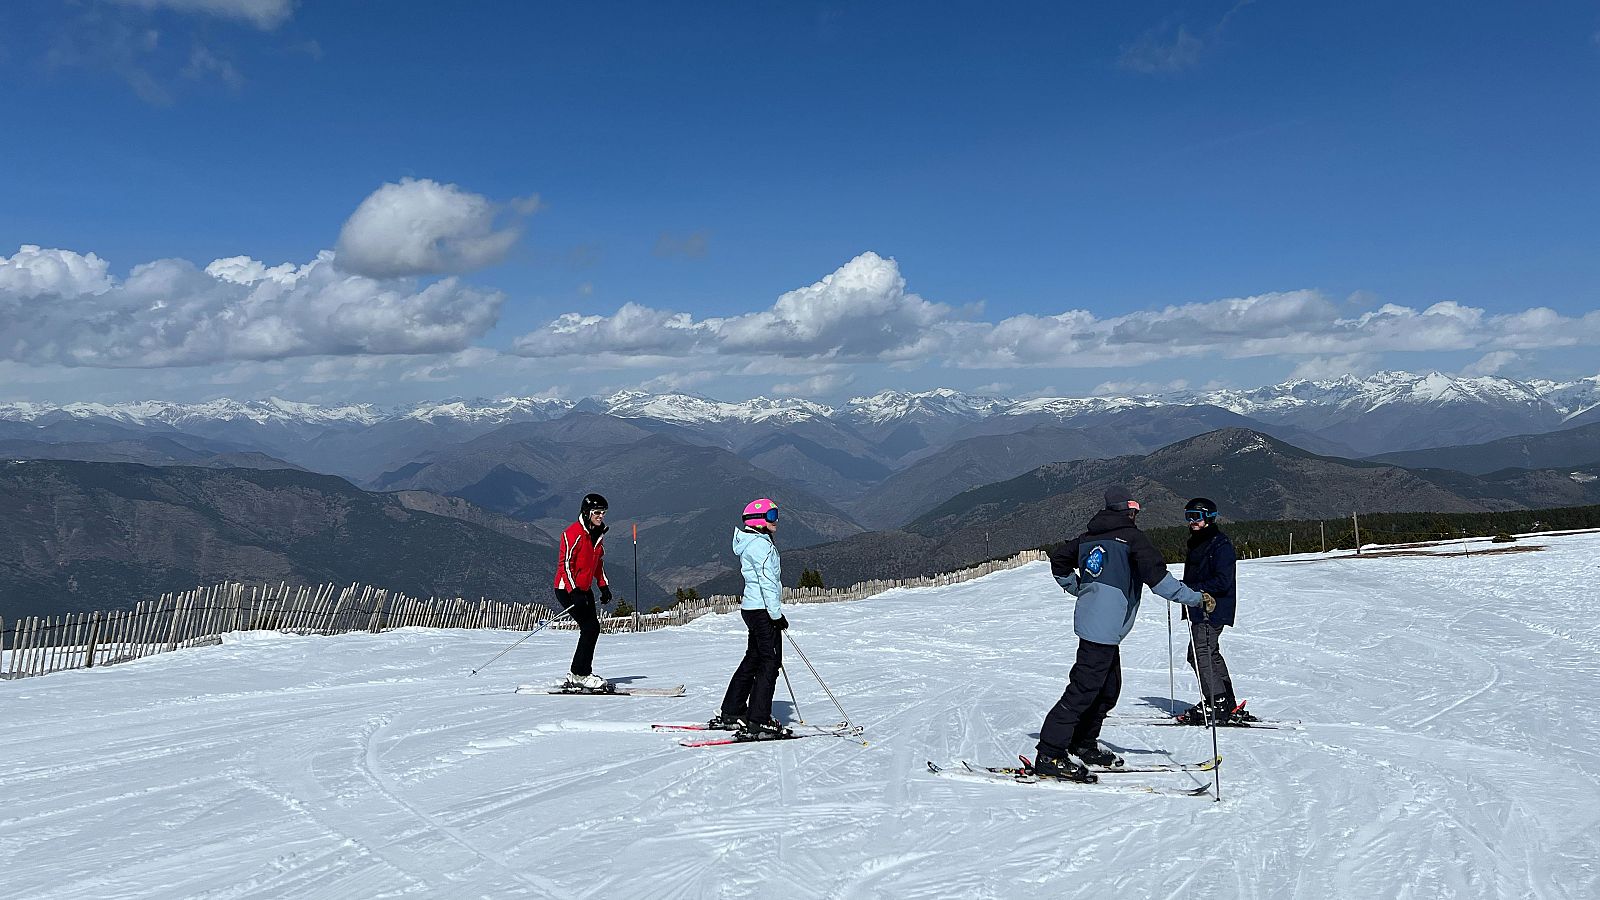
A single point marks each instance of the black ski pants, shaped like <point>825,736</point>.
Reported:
<point>1205,657</point>
<point>587,616</point>
<point>1092,690</point>
<point>749,694</point>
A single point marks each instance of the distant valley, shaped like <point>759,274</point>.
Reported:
<point>893,483</point>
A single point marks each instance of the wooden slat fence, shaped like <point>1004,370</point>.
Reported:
<point>39,645</point>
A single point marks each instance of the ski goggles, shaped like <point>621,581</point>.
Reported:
<point>770,515</point>
<point>1197,515</point>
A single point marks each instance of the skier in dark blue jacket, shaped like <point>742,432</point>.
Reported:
<point>1211,566</point>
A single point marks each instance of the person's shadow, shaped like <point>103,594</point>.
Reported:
<point>1167,705</point>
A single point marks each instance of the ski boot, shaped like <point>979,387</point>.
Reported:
<point>1063,767</point>
<point>1242,716</point>
<point>1097,756</point>
<point>1219,710</point>
<point>720,722</point>
<point>588,683</point>
<point>769,730</point>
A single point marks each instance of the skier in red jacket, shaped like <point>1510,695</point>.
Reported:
<point>580,566</point>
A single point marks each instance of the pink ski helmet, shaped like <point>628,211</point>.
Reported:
<point>759,511</point>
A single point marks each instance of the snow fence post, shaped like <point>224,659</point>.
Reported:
<point>94,636</point>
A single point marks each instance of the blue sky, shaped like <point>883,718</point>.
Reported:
<point>1051,198</point>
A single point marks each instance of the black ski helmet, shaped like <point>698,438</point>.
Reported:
<point>592,502</point>
<point>1202,505</point>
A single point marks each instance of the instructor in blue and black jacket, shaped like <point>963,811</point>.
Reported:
<point>1106,568</point>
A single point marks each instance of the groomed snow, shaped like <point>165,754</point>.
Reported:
<point>1451,749</point>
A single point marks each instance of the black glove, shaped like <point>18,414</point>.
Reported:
<point>605,593</point>
<point>782,623</point>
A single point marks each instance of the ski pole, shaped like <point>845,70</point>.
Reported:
<point>1205,705</point>
<point>818,677</point>
<point>565,611</point>
<point>792,698</point>
<point>1172,692</point>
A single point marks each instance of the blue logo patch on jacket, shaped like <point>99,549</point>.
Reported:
<point>1095,561</point>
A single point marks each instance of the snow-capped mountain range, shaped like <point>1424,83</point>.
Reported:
<point>1362,395</point>
<point>1342,397</point>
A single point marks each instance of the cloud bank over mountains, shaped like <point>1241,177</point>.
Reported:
<point>390,303</point>
<point>63,307</point>
<point>863,313</point>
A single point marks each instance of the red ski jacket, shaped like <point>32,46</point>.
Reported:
<point>582,559</point>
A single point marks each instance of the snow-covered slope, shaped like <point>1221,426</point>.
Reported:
<point>261,412</point>
<point>508,409</point>
<point>1449,750</point>
<point>1351,395</point>
<point>1573,398</point>
<point>940,404</point>
<point>689,409</point>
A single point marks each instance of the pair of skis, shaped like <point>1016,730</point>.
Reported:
<point>843,730</point>
<point>610,690</point>
<point>1024,774</point>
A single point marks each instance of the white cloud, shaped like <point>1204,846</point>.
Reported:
<point>677,381</point>
<point>1328,368</point>
<point>422,227</point>
<point>264,14</point>
<point>451,366</point>
<point>815,386</point>
<point>244,270</point>
<point>1492,363</point>
<point>35,272</point>
<point>341,370</point>
<point>863,313</point>
<point>58,306</point>
<point>1138,388</point>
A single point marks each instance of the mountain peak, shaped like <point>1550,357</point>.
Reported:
<point>1225,444</point>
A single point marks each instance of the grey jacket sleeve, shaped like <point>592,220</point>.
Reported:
<point>1069,583</point>
<point>1175,590</point>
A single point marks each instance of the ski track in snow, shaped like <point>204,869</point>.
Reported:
<point>1449,749</point>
